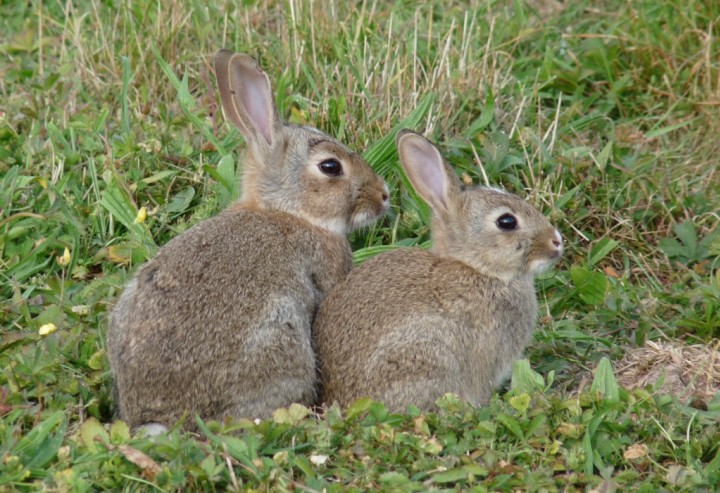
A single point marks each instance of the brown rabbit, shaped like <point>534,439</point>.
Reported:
<point>218,323</point>
<point>410,325</point>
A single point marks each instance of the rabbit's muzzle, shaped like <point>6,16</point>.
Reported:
<point>545,251</point>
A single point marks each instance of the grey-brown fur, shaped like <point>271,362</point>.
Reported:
<point>218,323</point>
<point>410,325</point>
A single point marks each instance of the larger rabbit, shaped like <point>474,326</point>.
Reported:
<point>218,323</point>
<point>410,325</point>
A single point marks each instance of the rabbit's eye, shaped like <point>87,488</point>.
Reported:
<point>506,222</point>
<point>331,167</point>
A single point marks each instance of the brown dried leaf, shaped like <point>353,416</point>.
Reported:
<point>636,451</point>
<point>149,467</point>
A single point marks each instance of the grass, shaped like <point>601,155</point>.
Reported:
<point>605,114</point>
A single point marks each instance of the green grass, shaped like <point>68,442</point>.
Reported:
<point>603,113</point>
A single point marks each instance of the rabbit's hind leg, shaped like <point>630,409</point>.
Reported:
<point>417,373</point>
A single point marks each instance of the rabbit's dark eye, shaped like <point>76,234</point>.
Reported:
<point>506,222</point>
<point>331,167</point>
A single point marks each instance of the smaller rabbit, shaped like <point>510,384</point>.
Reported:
<point>410,325</point>
<point>218,323</point>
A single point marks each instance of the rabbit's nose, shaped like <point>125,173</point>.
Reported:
<point>385,194</point>
<point>557,241</point>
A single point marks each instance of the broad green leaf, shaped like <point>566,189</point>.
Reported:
<point>512,425</point>
<point>604,383</point>
<point>601,250</point>
<point>229,180</point>
<point>90,431</point>
<point>181,201</point>
<point>358,407</point>
<point>687,233</point>
<point>524,379</point>
<point>293,414</point>
<point>673,248</point>
<point>119,432</point>
<point>116,201</point>
<point>591,286</point>
<point>303,463</point>
<point>588,451</point>
<point>96,361</point>
<point>394,478</point>
<point>160,175</point>
<point>450,476</point>
<point>604,156</point>
<point>460,473</point>
<point>485,118</point>
<point>565,198</point>
<point>41,444</point>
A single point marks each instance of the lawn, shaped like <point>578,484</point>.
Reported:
<point>604,114</point>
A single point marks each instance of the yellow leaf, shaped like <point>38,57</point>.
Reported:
<point>119,254</point>
<point>281,416</point>
<point>47,329</point>
<point>297,412</point>
<point>569,430</point>
<point>141,215</point>
<point>90,432</point>
<point>520,402</point>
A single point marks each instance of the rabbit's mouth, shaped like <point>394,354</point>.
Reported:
<point>365,218</point>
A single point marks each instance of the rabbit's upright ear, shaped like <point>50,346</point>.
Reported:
<point>246,96</point>
<point>431,177</point>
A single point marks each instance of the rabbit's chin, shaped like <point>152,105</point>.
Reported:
<point>539,266</point>
<point>362,219</point>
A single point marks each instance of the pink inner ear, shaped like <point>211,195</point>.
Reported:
<point>434,179</point>
<point>426,170</point>
<point>256,99</point>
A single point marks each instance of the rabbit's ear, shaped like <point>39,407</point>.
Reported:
<point>431,177</point>
<point>245,95</point>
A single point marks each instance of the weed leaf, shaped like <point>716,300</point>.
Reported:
<point>591,286</point>
<point>604,383</point>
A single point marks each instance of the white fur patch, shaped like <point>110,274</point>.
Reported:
<point>152,429</point>
<point>334,225</point>
<point>362,219</point>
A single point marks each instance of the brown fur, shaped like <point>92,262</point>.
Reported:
<point>218,323</point>
<point>410,325</point>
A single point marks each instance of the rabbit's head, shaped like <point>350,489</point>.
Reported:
<point>491,230</point>
<point>292,168</point>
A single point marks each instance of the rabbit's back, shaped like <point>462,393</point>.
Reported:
<point>408,323</point>
<point>219,322</point>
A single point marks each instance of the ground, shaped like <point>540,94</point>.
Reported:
<point>604,114</point>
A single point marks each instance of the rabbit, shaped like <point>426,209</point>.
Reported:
<point>218,322</point>
<point>410,325</point>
